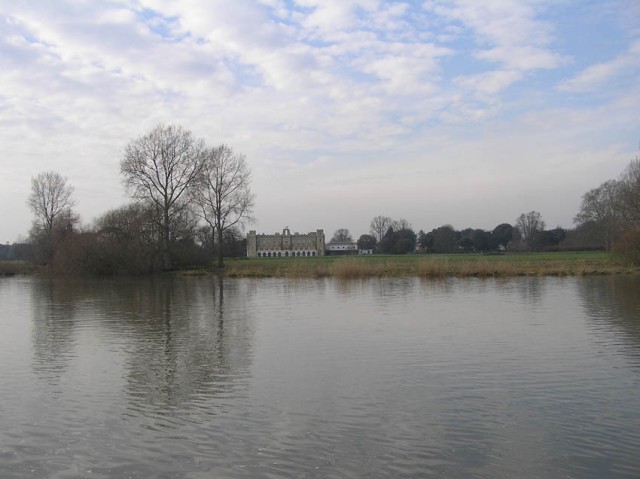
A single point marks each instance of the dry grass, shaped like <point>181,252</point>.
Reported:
<point>10,268</point>
<point>433,266</point>
<point>425,266</point>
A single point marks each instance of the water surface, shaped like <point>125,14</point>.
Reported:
<point>197,378</point>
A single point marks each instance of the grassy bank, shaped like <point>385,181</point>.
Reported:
<point>427,266</point>
<point>462,265</point>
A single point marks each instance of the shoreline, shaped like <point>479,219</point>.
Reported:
<point>433,266</point>
<point>379,266</point>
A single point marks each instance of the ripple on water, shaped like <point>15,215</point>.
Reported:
<point>485,379</point>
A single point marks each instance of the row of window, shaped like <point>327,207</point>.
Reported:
<point>279,254</point>
<point>278,246</point>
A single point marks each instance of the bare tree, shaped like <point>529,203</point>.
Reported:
<point>401,224</point>
<point>159,168</point>
<point>530,226</point>
<point>379,226</point>
<point>629,191</point>
<point>51,203</point>
<point>50,197</point>
<point>601,206</point>
<point>342,235</point>
<point>223,194</point>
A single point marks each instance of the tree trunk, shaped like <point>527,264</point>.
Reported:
<point>220,249</point>
<point>166,246</point>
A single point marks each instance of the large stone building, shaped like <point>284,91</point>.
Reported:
<point>285,245</point>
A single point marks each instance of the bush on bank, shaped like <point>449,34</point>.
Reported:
<point>628,246</point>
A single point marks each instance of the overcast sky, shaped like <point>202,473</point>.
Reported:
<point>460,112</point>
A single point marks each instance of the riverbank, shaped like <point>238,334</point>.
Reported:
<point>427,266</point>
<point>12,268</point>
<point>460,265</point>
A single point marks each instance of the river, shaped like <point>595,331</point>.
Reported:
<point>193,377</point>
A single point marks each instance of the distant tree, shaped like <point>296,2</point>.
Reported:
<point>379,226</point>
<point>386,243</point>
<point>471,239</point>
<point>466,239</point>
<point>128,239</point>
<point>234,243</point>
<point>517,243</point>
<point>629,192</point>
<point>341,235</point>
<point>21,250</point>
<point>502,234</point>
<point>629,242</point>
<point>183,225</point>
<point>482,240</point>
<point>425,240</point>
<point>401,224</point>
<point>50,197</point>
<point>50,247</point>
<point>530,226</point>
<point>552,238</point>
<point>629,245</point>
<point>405,241</point>
<point>602,207</point>
<point>223,193</point>
<point>51,203</point>
<point>398,242</point>
<point>205,236</point>
<point>158,169</point>
<point>366,242</point>
<point>444,239</point>
<point>586,236</point>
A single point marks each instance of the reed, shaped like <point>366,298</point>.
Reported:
<point>10,268</point>
<point>432,266</point>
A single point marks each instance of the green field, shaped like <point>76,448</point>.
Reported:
<point>434,265</point>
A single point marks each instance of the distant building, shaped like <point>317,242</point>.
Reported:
<point>342,247</point>
<point>285,245</point>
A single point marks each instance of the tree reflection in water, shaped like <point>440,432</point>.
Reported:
<point>178,339</point>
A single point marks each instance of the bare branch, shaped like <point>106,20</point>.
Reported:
<point>50,196</point>
<point>223,192</point>
<point>159,168</point>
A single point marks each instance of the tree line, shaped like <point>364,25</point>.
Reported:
<point>391,236</point>
<point>611,212</point>
<point>608,219</point>
<point>189,201</point>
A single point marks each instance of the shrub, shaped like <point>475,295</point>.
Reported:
<point>629,246</point>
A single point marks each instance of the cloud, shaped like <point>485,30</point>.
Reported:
<point>522,58</point>
<point>489,83</point>
<point>328,17</point>
<point>351,97</point>
<point>496,22</point>
<point>405,68</point>
<point>507,32</point>
<point>598,75</point>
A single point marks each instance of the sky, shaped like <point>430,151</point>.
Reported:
<point>459,112</point>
